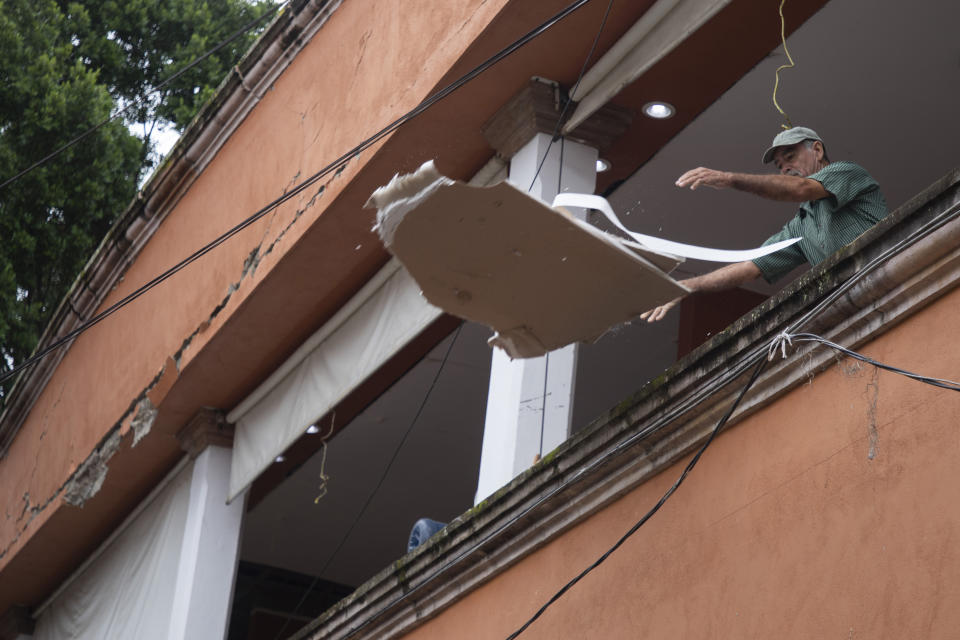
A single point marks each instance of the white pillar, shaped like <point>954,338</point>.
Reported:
<point>530,401</point>
<point>209,552</point>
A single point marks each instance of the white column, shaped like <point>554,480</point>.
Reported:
<point>209,552</point>
<point>530,401</point>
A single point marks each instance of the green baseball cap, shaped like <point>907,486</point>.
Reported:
<point>789,137</point>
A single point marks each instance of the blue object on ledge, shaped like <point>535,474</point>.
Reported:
<point>422,531</point>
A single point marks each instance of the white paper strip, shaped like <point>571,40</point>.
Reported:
<point>659,245</point>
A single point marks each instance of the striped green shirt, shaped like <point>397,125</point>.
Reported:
<point>854,205</point>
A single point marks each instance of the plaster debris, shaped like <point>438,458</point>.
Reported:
<point>88,479</point>
<point>401,195</point>
<point>143,420</point>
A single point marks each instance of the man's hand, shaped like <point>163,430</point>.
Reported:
<point>657,314</point>
<point>728,277</point>
<point>706,177</point>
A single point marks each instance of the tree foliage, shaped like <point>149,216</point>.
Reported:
<point>65,66</point>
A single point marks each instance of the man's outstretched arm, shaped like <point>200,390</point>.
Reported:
<point>786,188</point>
<point>728,277</point>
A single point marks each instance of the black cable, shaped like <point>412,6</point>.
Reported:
<point>47,158</point>
<point>543,402</point>
<point>937,382</point>
<point>553,138</point>
<point>383,477</point>
<point>568,101</point>
<point>338,164</point>
<point>648,514</point>
<point>799,337</point>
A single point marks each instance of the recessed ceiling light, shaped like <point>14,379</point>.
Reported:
<point>603,165</point>
<point>659,110</point>
<point>312,429</point>
<point>279,458</point>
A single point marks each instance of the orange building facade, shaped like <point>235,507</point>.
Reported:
<point>826,507</point>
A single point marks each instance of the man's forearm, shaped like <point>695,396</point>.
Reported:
<point>787,188</point>
<point>728,277</point>
<point>774,187</point>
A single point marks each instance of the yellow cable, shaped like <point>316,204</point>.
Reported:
<point>776,84</point>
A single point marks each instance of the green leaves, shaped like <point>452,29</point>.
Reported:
<point>65,66</point>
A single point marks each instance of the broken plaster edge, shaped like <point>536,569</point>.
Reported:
<point>401,195</point>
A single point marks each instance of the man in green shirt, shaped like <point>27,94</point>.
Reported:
<point>839,201</point>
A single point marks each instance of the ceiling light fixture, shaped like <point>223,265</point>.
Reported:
<point>603,165</point>
<point>659,110</point>
<point>312,429</point>
<point>279,458</point>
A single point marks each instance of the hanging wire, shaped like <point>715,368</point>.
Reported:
<point>324,478</point>
<point>567,102</point>
<point>781,342</point>
<point>784,340</point>
<point>656,507</point>
<point>776,82</point>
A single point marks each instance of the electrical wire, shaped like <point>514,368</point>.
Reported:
<point>776,75</point>
<point>553,138</point>
<point>785,339</point>
<point>546,356</point>
<point>656,507</point>
<point>337,164</point>
<point>50,156</point>
<point>376,489</point>
<point>781,341</point>
<point>568,101</point>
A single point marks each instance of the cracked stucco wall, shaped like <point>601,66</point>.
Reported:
<point>107,394</point>
<point>88,478</point>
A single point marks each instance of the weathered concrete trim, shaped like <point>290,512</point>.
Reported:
<point>208,427</point>
<point>143,420</point>
<point>236,97</point>
<point>595,468</point>
<point>89,477</point>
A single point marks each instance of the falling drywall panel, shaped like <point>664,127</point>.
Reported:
<point>540,278</point>
<point>494,255</point>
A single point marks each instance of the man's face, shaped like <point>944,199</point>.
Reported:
<point>798,159</point>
